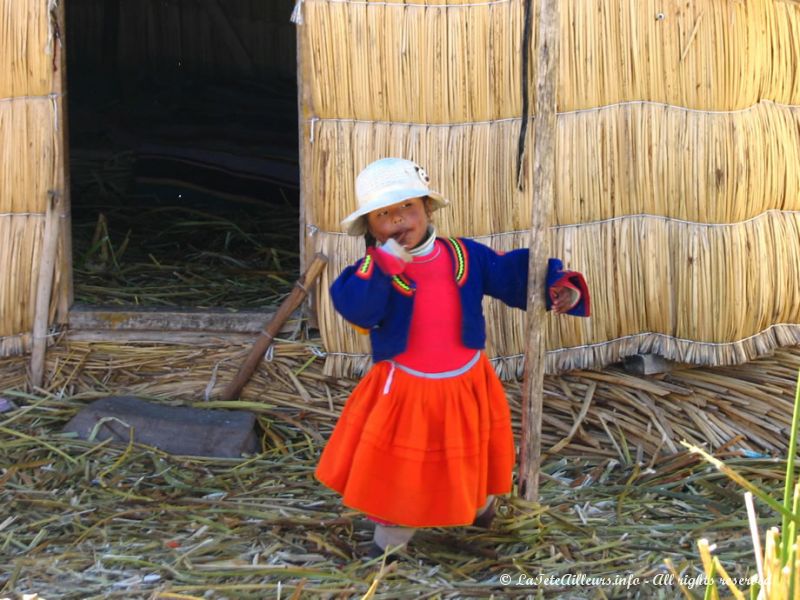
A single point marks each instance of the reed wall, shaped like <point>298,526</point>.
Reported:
<point>426,63</point>
<point>677,178</point>
<point>31,163</point>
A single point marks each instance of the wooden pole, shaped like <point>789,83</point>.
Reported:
<point>544,150</point>
<point>61,183</point>
<point>41,315</point>
<point>267,336</point>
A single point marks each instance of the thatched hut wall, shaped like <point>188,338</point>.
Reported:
<point>678,144</point>
<point>217,39</point>
<point>677,184</point>
<point>31,165</point>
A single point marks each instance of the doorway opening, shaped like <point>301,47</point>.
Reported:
<point>183,145</point>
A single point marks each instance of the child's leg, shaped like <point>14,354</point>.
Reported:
<point>392,536</point>
<point>489,504</point>
<point>485,515</point>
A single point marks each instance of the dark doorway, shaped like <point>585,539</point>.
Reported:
<point>183,152</point>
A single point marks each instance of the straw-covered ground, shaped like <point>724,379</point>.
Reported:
<point>618,497</point>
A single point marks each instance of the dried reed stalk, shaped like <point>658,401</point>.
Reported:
<point>680,54</point>
<point>662,290</point>
<point>662,160</point>
<point>747,406</point>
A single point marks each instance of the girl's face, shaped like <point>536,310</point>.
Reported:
<point>406,222</point>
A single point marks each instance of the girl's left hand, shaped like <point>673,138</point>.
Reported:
<point>563,298</point>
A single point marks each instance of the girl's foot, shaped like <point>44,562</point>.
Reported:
<point>485,519</point>
<point>392,537</point>
<point>376,551</point>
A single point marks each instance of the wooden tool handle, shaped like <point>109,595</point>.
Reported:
<point>293,300</point>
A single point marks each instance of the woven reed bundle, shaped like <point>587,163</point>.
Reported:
<point>623,160</point>
<point>28,171</point>
<point>704,55</point>
<point>27,156</point>
<point>415,63</point>
<point>473,165</point>
<point>677,289</point>
<point>661,160</point>
<point>783,83</point>
<point>26,42</point>
<point>389,61</point>
<point>20,255</point>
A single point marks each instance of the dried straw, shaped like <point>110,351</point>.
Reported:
<point>182,256</point>
<point>101,521</point>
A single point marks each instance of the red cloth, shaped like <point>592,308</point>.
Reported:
<point>434,338</point>
<point>427,453</point>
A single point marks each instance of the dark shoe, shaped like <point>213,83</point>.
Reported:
<point>486,518</point>
<point>376,551</point>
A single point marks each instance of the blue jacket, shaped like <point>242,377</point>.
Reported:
<point>372,300</point>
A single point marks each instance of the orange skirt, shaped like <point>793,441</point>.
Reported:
<point>421,452</point>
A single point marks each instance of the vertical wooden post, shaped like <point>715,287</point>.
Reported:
<point>304,113</point>
<point>305,128</point>
<point>52,226</point>
<point>544,149</point>
<point>61,164</point>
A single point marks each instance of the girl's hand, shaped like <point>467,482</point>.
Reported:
<point>563,298</point>
<point>391,246</point>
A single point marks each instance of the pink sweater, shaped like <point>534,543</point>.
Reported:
<point>434,339</point>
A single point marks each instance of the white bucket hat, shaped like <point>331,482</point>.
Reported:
<point>385,182</point>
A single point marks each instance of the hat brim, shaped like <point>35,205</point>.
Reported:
<point>356,223</point>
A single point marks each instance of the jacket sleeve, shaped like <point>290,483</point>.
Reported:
<point>361,293</point>
<point>505,275</point>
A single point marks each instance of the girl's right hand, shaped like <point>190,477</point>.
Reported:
<point>392,247</point>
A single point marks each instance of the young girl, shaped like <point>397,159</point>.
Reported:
<point>425,439</point>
